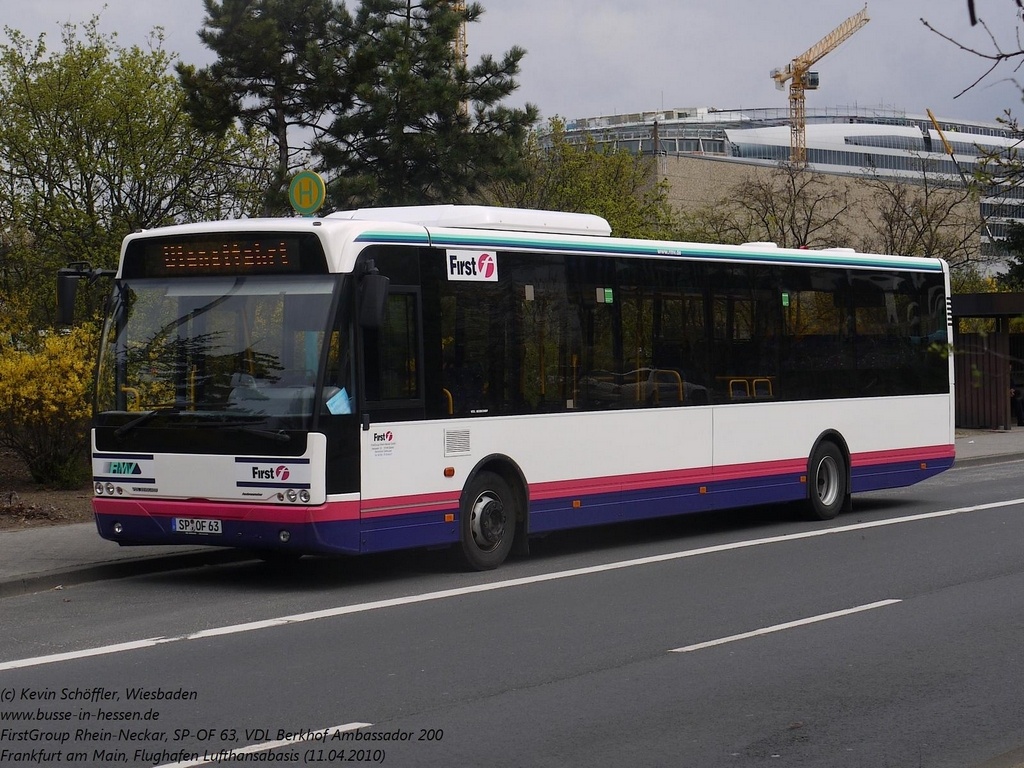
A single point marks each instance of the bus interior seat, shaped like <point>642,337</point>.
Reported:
<point>739,389</point>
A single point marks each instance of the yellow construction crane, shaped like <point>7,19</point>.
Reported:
<point>798,74</point>
<point>963,176</point>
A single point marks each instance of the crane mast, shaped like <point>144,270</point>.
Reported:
<point>801,79</point>
<point>460,37</point>
<point>459,45</point>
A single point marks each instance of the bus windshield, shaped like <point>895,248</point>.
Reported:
<point>238,346</point>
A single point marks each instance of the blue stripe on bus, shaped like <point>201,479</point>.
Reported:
<point>242,484</point>
<point>560,513</point>
<point>338,537</point>
<point>425,529</point>
<point>270,460</point>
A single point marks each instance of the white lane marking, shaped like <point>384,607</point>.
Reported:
<point>394,602</point>
<point>780,627</point>
<point>306,736</point>
<point>83,654</point>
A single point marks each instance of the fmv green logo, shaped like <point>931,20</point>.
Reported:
<point>123,468</point>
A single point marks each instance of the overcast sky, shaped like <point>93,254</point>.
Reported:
<point>587,58</point>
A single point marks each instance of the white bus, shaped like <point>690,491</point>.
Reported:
<point>407,377</point>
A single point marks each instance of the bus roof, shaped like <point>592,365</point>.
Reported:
<point>485,217</point>
<point>493,228</point>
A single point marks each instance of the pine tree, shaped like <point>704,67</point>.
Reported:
<point>422,126</point>
<point>280,66</point>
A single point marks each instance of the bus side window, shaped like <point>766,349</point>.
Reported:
<point>472,354</point>
<point>392,352</point>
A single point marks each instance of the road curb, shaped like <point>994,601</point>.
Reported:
<point>1000,458</point>
<point>43,582</point>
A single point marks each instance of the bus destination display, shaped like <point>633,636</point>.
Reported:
<point>227,255</point>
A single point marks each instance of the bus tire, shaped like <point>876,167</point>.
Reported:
<point>488,523</point>
<point>827,481</point>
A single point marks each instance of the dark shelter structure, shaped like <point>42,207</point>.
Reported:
<point>987,365</point>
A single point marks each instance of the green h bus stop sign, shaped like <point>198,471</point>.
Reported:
<point>307,192</point>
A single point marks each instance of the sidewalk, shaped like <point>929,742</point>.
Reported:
<point>38,559</point>
<point>988,444</point>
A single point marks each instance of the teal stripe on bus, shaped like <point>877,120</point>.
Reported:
<point>403,238</point>
<point>658,249</point>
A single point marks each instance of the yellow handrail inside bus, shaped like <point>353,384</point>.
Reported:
<point>136,394</point>
<point>679,383</point>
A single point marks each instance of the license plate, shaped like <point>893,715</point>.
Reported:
<point>194,525</point>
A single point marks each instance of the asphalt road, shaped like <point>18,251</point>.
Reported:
<point>889,637</point>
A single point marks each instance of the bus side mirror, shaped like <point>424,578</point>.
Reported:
<point>373,299</point>
<point>67,288</point>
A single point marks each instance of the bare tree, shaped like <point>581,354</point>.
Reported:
<point>996,55</point>
<point>787,206</point>
<point>924,216</point>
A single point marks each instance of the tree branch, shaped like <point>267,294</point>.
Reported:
<point>996,56</point>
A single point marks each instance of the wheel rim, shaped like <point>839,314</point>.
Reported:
<point>827,481</point>
<point>487,521</point>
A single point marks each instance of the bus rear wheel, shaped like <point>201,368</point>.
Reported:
<point>488,523</point>
<point>828,481</point>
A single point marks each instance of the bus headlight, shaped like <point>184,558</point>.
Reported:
<point>291,495</point>
<point>304,496</point>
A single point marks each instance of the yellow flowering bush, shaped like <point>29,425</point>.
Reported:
<point>45,405</point>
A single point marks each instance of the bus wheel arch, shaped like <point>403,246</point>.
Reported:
<point>492,513</point>
<point>828,477</point>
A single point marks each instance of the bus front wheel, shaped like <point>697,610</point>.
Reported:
<point>828,482</point>
<point>488,522</point>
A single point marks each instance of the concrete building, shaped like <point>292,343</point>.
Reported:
<point>704,151</point>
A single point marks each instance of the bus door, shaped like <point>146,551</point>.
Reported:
<point>393,457</point>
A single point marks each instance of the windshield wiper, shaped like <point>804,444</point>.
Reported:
<point>235,423</point>
<point>277,435</point>
<point>138,421</point>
